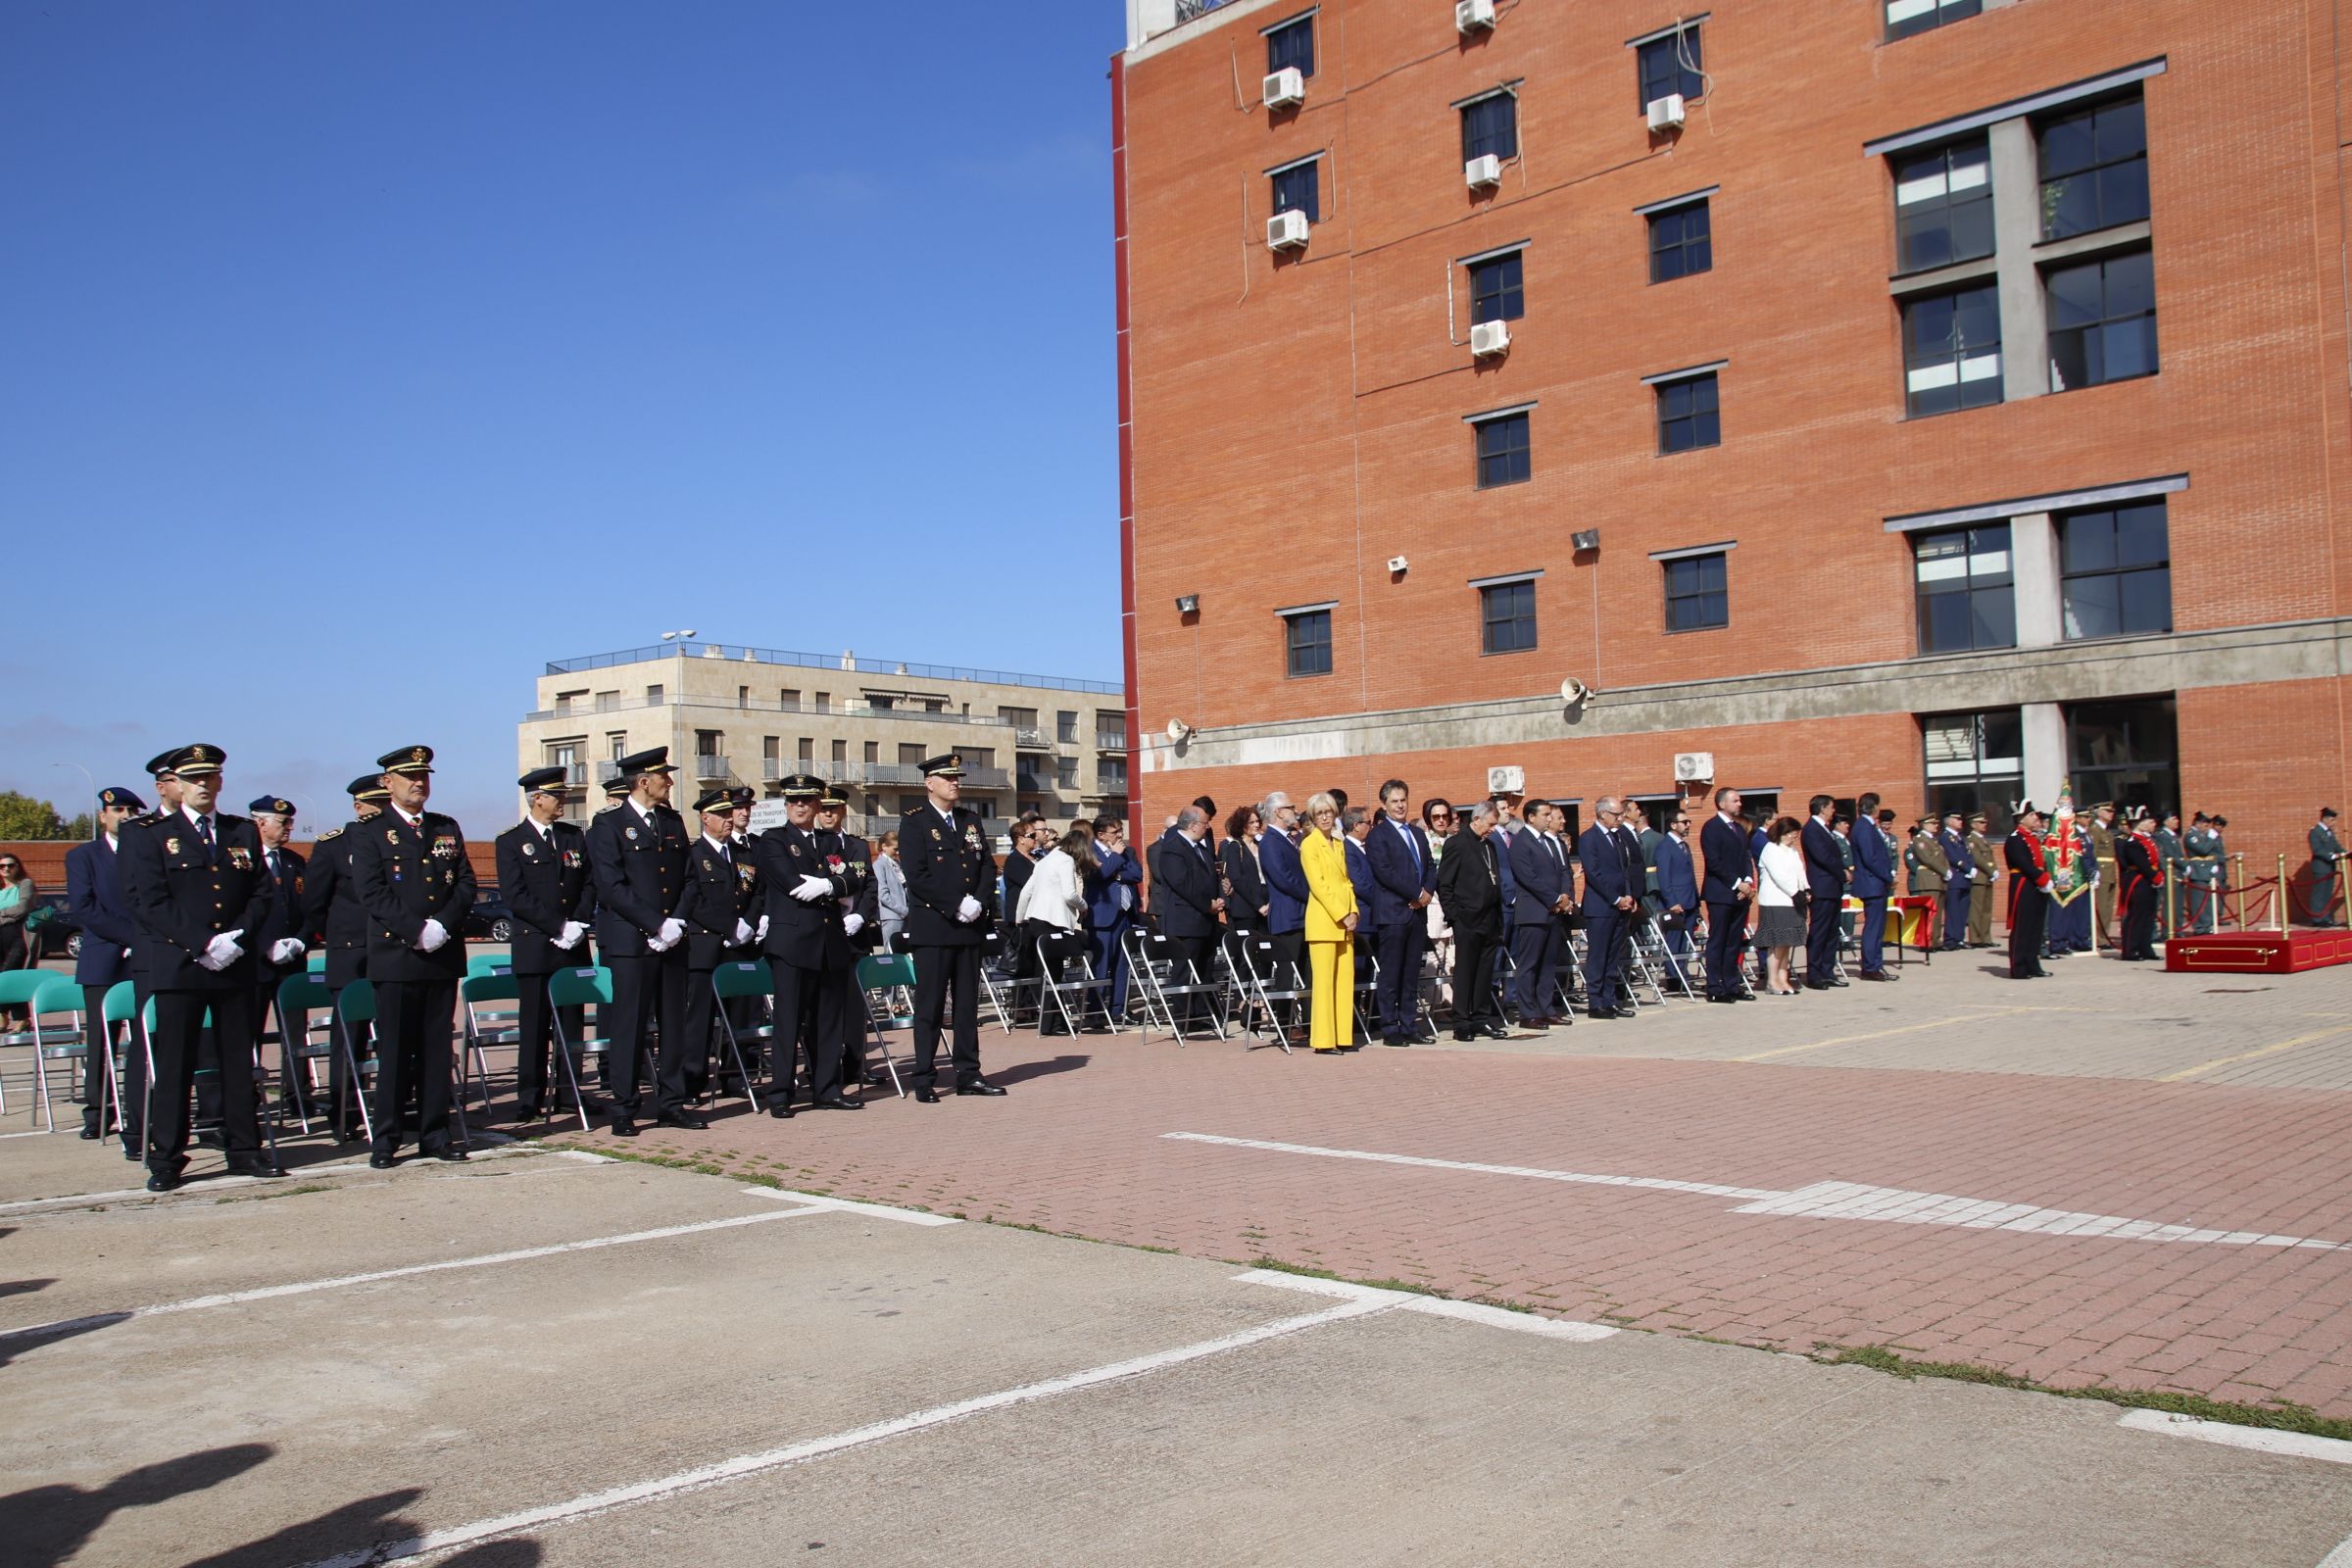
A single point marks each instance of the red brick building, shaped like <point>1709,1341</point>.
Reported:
<point>1940,399</point>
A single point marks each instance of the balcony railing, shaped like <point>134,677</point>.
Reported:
<point>986,778</point>
<point>847,663</point>
<point>1031,783</point>
<point>734,704</point>
<point>884,774</point>
<point>1110,739</point>
<point>771,767</point>
<point>709,764</point>
<point>1029,738</point>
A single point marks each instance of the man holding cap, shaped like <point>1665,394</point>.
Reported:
<point>637,857</point>
<point>417,885</point>
<point>950,898</point>
<point>543,873</point>
<point>194,881</point>
<point>94,903</point>
<point>332,917</point>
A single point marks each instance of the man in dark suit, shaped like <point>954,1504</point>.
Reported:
<point>1874,882</point>
<point>1404,879</point>
<point>1110,901</point>
<point>1678,887</point>
<point>848,857</point>
<point>1825,881</point>
<point>1958,887</point>
<point>637,861</point>
<point>332,917</point>
<point>543,873</point>
<point>1470,889</point>
<point>1727,883</point>
<point>1185,898</point>
<point>94,904</point>
<point>1542,887</point>
<point>1285,878</point>
<point>950,894</point>
<point>416,884</point>
<point>2029,893</point>
<point>194,881</point>
<point>278,946</point>
<point>1357,824</point>
<point>1612,893</point>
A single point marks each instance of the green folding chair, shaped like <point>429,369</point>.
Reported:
<point>745,979</point>
<point>57,996</point>
<point>890,977</point>
<point>576,988</point>
<point>317,963</point>
<point>305,996</point>
<point>488,963</point>
<point>488,1025</point>
<point>120,1006</point>
<point>355,1012</point>
<point>17,987</point>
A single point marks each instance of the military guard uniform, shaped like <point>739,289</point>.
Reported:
<point>109,934</point>
<point>862,922</point>
<point>2202,850</point>
<point>417,885</point>
<point>806,947</point>
<point>2105,842</point>
<point>2028,894</point>
<point>720,903</point>
<point>194,881</point>
<point>950,898</point>
<point>2141,876</point>
<point>637,856</point>
<point>1989,872</point>
<point>279,947</point>
<point>331,917</point>
<point>543,874</point>
<point>2173,860</point>
<point>2327,855</point>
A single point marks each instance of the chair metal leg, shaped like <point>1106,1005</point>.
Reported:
<point>359,1090</point>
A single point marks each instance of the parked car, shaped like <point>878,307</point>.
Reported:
<point>489,920</point>
<point>59,937</point>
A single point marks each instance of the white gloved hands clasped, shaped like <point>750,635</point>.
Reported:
<point>760,932</point>
<point>812,888</point>
<point>743,932</point>
<point>222,951</point>
<point>673,929</point>
<point>852,924</point>
<point>570,936</point>
<point>285,950</point>
<point>968,910</point>
<point>433,938</point>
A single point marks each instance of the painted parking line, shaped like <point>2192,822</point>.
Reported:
<point>1875,1034</point>
<point>206,1186</point>
<point>1838,1200</point>
<point>2256,1055</point>
<point>198,1304</point>
<point>2261,1439</point>
<point>844,1206</point>
<point>1493,1317</point>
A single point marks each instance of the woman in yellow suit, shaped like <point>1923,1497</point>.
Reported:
<point>1329,930</point>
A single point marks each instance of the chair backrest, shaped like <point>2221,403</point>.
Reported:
<point>303,992</point>
<point>17,986</point>
<point>574,988</point>
<point>317,963</point>
<point>992,943</point>
<point>1058,948</point>
<point>357,1003</point>
<point>57,993</point>
<point>742,978</point>
<point>122,999</point>
<point>881,971</point>
<point>488,963</point>
<point>490,988</point>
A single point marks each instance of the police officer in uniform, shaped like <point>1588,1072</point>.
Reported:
<point>416,884</point>
<point>2203,848</point>
<point>1988,871</point>
<point>637,855</point>
<point>194,881</point>
<point>861,920</point>
<point>543,872</point>
<point>94,903</point>
<point>331,917</point>
<point>951,891</point>
<point>2326,856</point>
<point>720,905</point>
<point>807,945</point>
<point>284,932</point>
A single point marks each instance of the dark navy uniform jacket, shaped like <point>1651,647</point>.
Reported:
<point>806,936</point>
<point>406,876</point>
<point>545,883</point>
<point>720,890</point>
<point>285,908</point>
<point>639,868</point>
<point>184,894</point>
<point>857,863</point>
<point>94,904</point>
<point>331,905</point>
<point>946,861</point>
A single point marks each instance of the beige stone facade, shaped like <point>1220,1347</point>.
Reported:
<point>736,715</point>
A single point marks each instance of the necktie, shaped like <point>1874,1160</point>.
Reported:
<point>273,865</point>
<point>727,855</point>
<point>204,831</point>
<point>1554,845</point>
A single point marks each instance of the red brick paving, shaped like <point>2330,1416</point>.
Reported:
<point>1077,1148</point>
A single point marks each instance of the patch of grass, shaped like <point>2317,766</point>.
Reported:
<point>1507,1304</point>
<point>276,1192</point>
<point>2279,1415</point>
<point>1278,1266</point>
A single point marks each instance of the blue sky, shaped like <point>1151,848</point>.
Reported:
<point>355,359</point>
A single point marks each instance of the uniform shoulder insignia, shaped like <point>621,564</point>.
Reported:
<point>330,833</point>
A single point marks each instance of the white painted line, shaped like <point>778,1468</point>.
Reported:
<point>905,1217</point>
<point>1834,1200</point>
<point>581,1155</point>
<point>198,1304</point>
<point>37,1132</point>
<point>1553,1328</point>
<point>595,1502</point>
<point>200,1186</point>
<point>1650,1183</point>
<point>2299,1445</point>
<point>2340,1557</point>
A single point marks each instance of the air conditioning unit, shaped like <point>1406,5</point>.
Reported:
<point>1284,88</point>
<point>1482,172</point>
<point>1490,337</point>
<point>1285,231</point>
<point>1694,768</point>
<point>1397,564</point>
<point>1473,16</point>
<point>1665,113</point>
<point>1507,782</point>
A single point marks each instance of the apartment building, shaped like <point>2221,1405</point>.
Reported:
<point>1943,398</point>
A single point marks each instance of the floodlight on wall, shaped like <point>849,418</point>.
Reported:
<point>677,636</point>
<point>1188,604</point>
<point>1586,539</point>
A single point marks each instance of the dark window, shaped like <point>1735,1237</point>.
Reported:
<point>1298,190</point>
<point>1944,206</point>
<point>1697,595</point>
<point>1964,595</point>
<point>2094,170</point>
<point>1507,618</point>
<point>1291,44</point>
<point>1502,456</point>
<point>1686,415</point>
<point>1496,294</point>
<point>2127,752</point>
<point>1907,17</point>
<point>1671,65</point>
<point>1681,243</point>
<point>1952,351</point>
<point>1491,124</point>
<point>2102,321</point>
<point>2115,570</point>
<point>1976,762</point>
<point>1110,774</point>
<point>1306,637</point>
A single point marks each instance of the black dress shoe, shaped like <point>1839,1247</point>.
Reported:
<point>1464,1035</point>
<point>925,1095</point>
<point>835,1102</point>
<point>1395,1040</point>
<point>1424,1037</point>
<point>1495,1032</point>
<point>1602,1012</point>
<point>261,1165</point>
<point>382,1161</point>
<point>1877,975</point>
<point>451,1157</point>
<point>682,1118</point>
<point>90,1133</point>
<point>162,1181</point>
<point>1819,985</point>
<point>531,1111</point>
<point>131,1151</point>
<point>624,1125</point>
<point>978,1086</point>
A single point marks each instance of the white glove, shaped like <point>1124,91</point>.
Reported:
<point>812,888</point>
<point>852,923</point>
<point>656,944</point>
<point>222,951</point>
<point>760,932</point>
<point>743,932</point>
<point>968,910</point>
<point>285,950</point>
<point>433,938</point>
<point>671,929</point>
<point>573,930</point>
